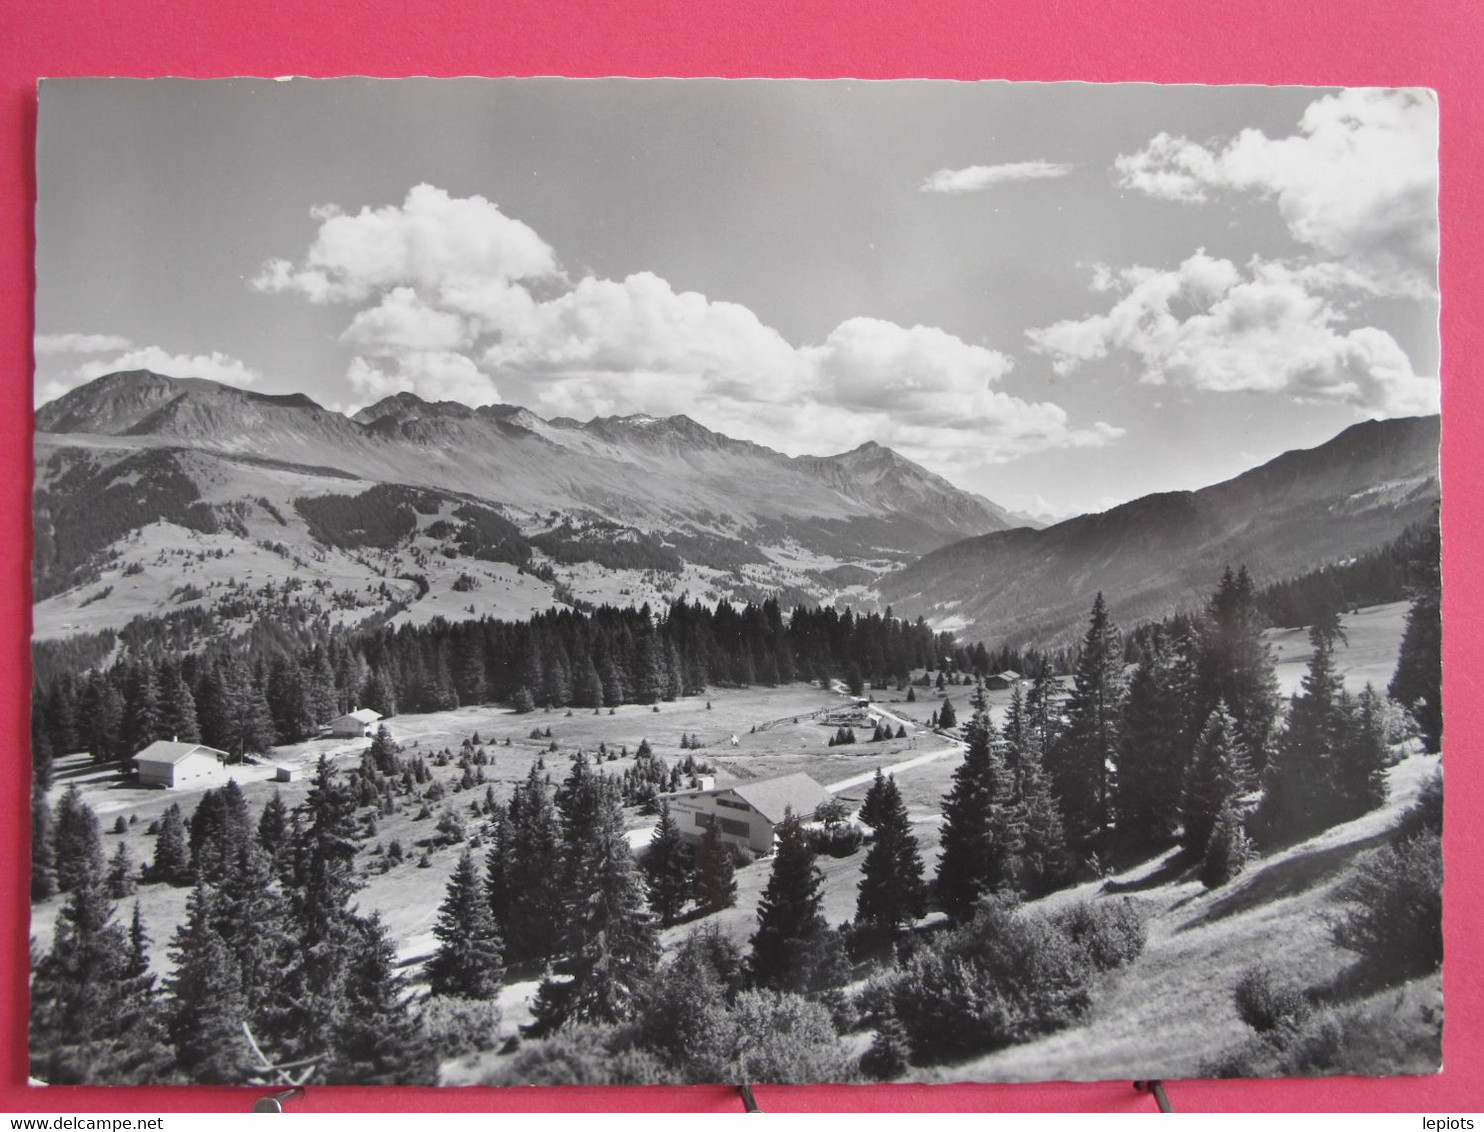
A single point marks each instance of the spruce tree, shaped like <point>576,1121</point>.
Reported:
<point>376,1039</point>
<point>891,891</point>
<point>252,916</point>
<point>1234,666</point>
<point>668,868</point>
<point>171,863</point>
<point>1361,757</point>
<point>608,945</point>
<point>946,716</point>
<point>715,874</point>
<point>92,1010</point>
<point>1228,850</point>
<point>870,813</point>
<point>1154,745</point>
<point>121,879</point>
<point>468,962</point>
<point>206,1010</point>
<point>1089,745</point>
<point>78,842</point>
<point>1299,796</point>
<point>522,865</point>
<point>43,861</point>
<point>1214,781</point>
<point>328,933</point>
<point>788,916</point>
<point>177,706</point>
<point>219,826</point>
<point>979,852</point>
<point>273,830</point>
<point>143,716</point>
<point>1417,683</point>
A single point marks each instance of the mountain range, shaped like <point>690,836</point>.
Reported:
<point>1165,552</point>
<point>155,494</point>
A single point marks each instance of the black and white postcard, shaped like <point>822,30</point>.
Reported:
<point>653,582</point>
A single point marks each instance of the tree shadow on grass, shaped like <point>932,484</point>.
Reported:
<point>1172,870</point>
<point>1288,878</point>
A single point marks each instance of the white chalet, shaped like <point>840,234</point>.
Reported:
<point>359,724</point>
<point>748,813</point>
<point>170,764</point>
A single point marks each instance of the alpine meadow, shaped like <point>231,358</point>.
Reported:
<point>580,582</point>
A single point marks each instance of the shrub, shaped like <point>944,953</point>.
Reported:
<point>887,1056</point>
<point>836,841</point>
<point>457,1026</point>
<point>1107,934</point>
<point>580,1055</point>
<point>1395,923</point>
<point>1002,979</point>
<point>1425,814</point>
<point>1269,1006</point>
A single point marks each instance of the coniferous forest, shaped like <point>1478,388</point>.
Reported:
<point>1170,739</point>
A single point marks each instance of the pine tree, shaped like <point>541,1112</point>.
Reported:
<point>324,880</point>
<point>522,865</point>
<point>1299,790</point>
<point>668,869</point>
<point>1214,781</point>
<point>891,891</point>
<point>143,718</point>
<point>1234,666</point>
<point>253,918</point>
<point>171,863</point>
<point>468,962</point>
<point>177,706</point>
<point>206,1010</point>
<point>871,811</point>
<point>78,843</point>
<point>1417,683</point>
<point>219,826</point>
<point>1154,745</point>
<point>91,1009</point>
<point>121,879</point>
<point>1361,757</point>
<point>1036,814</point>
<point>1090,743</point>
<point>715,875</point>
<point>43,875</point>
<point>273,830</point>
<point>788,916</point>
<point>101,720</point>
<point>1228,850</point>
<point>946,717</point>
<point>376,1038</point>
<point>978,849</point>
<point>608,943</point>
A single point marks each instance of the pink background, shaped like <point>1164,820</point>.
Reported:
<point>1323,42</point>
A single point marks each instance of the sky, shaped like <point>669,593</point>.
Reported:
<point>1061,296</point>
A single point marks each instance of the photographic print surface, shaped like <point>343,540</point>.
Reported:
<point>626,582</point>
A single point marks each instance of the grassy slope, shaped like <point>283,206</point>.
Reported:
<point>1171,1010</point>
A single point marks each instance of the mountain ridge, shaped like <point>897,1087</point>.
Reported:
<point>1164,551</point>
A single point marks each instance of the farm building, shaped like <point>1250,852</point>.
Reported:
<point>748,813</point>
<point>171,765</point>
<point>358,724</point>
<point>1001,680</point>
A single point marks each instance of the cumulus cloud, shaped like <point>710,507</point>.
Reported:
<point>402,322</point>
<point>214,366</point>
<point>434,375</point>
<point>1209,324</point>
<point>48,345</point>
<point>429,241</point>
<point>1359,181</point>
<point>976,178</point>
<point>456,301</point>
